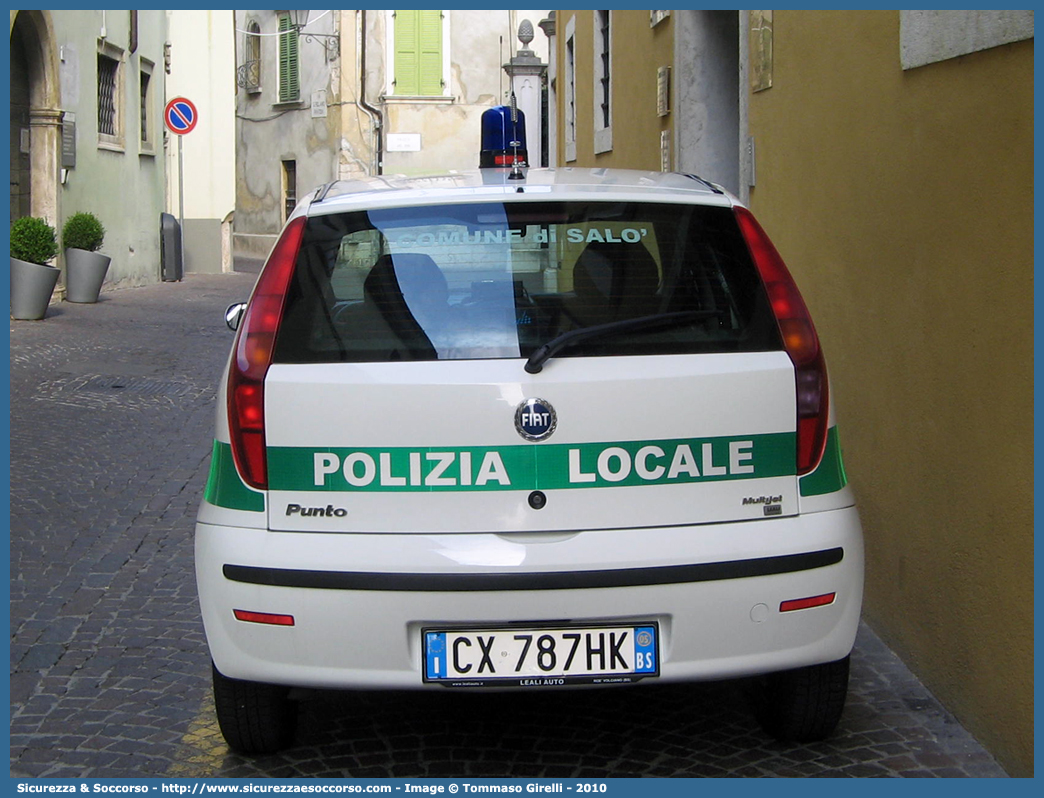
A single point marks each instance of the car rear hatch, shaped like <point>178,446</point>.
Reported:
<point>532,367</point>
<point>433,447</point>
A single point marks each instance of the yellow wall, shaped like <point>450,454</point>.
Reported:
<point>903,203</point>
<point>637,51</point>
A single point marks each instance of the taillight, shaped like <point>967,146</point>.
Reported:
<point>253,355</point>
<point>799,339</point>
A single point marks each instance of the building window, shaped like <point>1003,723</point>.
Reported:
<point>289,188</point>
<point>144,97</point>
<point>418,48</point>
<point>107,96</point>
<point>110,94</point>
<point>145,102</point>
<point>570,90</point>
<point>289,62</point>
<point>249,73</point>
<point>603,117</point>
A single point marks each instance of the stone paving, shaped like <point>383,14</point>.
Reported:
<point>111,426</point>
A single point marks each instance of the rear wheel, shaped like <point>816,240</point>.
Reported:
<point>802,705</point>
<point>255,718</point>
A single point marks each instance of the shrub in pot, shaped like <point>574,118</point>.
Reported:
<point>33,244</point>
<point>85,267</point>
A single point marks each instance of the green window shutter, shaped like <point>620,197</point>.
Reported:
<point>406,47</point>
<point>418,52</point>
<point>430,53</point>
<point>289,64</point>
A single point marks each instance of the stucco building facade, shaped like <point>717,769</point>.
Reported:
<point>86,128</point>
<point>890,156</point>
<point>202,64</point>
<point>356,93</point>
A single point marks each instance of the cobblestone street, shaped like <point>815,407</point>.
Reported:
<point>111,430</point>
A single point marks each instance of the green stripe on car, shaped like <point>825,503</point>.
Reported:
<point>830,476</point>
<point>531,466</point>
<point>225,488</point>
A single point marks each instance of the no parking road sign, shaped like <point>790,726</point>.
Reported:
<point>180,116</point>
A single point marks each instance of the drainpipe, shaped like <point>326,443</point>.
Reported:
<point>376,120</point>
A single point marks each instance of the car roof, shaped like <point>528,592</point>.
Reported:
<point>491,185</point>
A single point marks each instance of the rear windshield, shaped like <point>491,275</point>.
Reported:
<point>498,280</point>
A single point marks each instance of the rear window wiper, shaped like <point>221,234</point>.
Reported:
<point>545,352</point>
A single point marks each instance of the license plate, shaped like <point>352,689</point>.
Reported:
<point>541,656</point>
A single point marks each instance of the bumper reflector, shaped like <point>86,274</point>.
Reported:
<point>264,617</point>
<point>807,603</point>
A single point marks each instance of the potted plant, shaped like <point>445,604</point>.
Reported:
<point>85,267</point>
<point>33,244</point>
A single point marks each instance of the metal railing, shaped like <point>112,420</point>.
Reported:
<point>248,75</point>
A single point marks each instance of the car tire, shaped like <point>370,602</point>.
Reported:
<point>254,718</point>
<point>802,705</point>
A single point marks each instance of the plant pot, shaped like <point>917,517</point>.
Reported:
<point>31,288</point>
<point>84,274</point>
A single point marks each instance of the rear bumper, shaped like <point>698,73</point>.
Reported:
<point>360,601</point>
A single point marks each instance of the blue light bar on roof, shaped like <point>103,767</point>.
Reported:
<point>503,138</point>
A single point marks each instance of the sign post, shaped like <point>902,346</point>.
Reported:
<point>181,117</point>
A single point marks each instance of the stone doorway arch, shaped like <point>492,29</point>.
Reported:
<point>36,117</point>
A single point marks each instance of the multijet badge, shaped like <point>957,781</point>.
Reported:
<point>535,419</point>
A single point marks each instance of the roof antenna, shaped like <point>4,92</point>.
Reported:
<point>516,167</point>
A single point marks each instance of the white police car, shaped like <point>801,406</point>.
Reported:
<point>526,430</point>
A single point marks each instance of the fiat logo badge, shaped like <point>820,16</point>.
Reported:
<point>535,419</point>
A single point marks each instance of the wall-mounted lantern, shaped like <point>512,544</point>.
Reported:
<point>330,42</point>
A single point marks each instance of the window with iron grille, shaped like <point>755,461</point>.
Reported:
<point>571,98</point>
<point>289,61</point>
<point>289,188</point>
<point>570,90</point>
<point>108,98</point>
<point>603,118</point>
<point>603,27</point>
<point>146,121</point>
<point>248,75</point>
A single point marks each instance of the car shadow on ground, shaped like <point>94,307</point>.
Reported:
<point>696,730</point>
